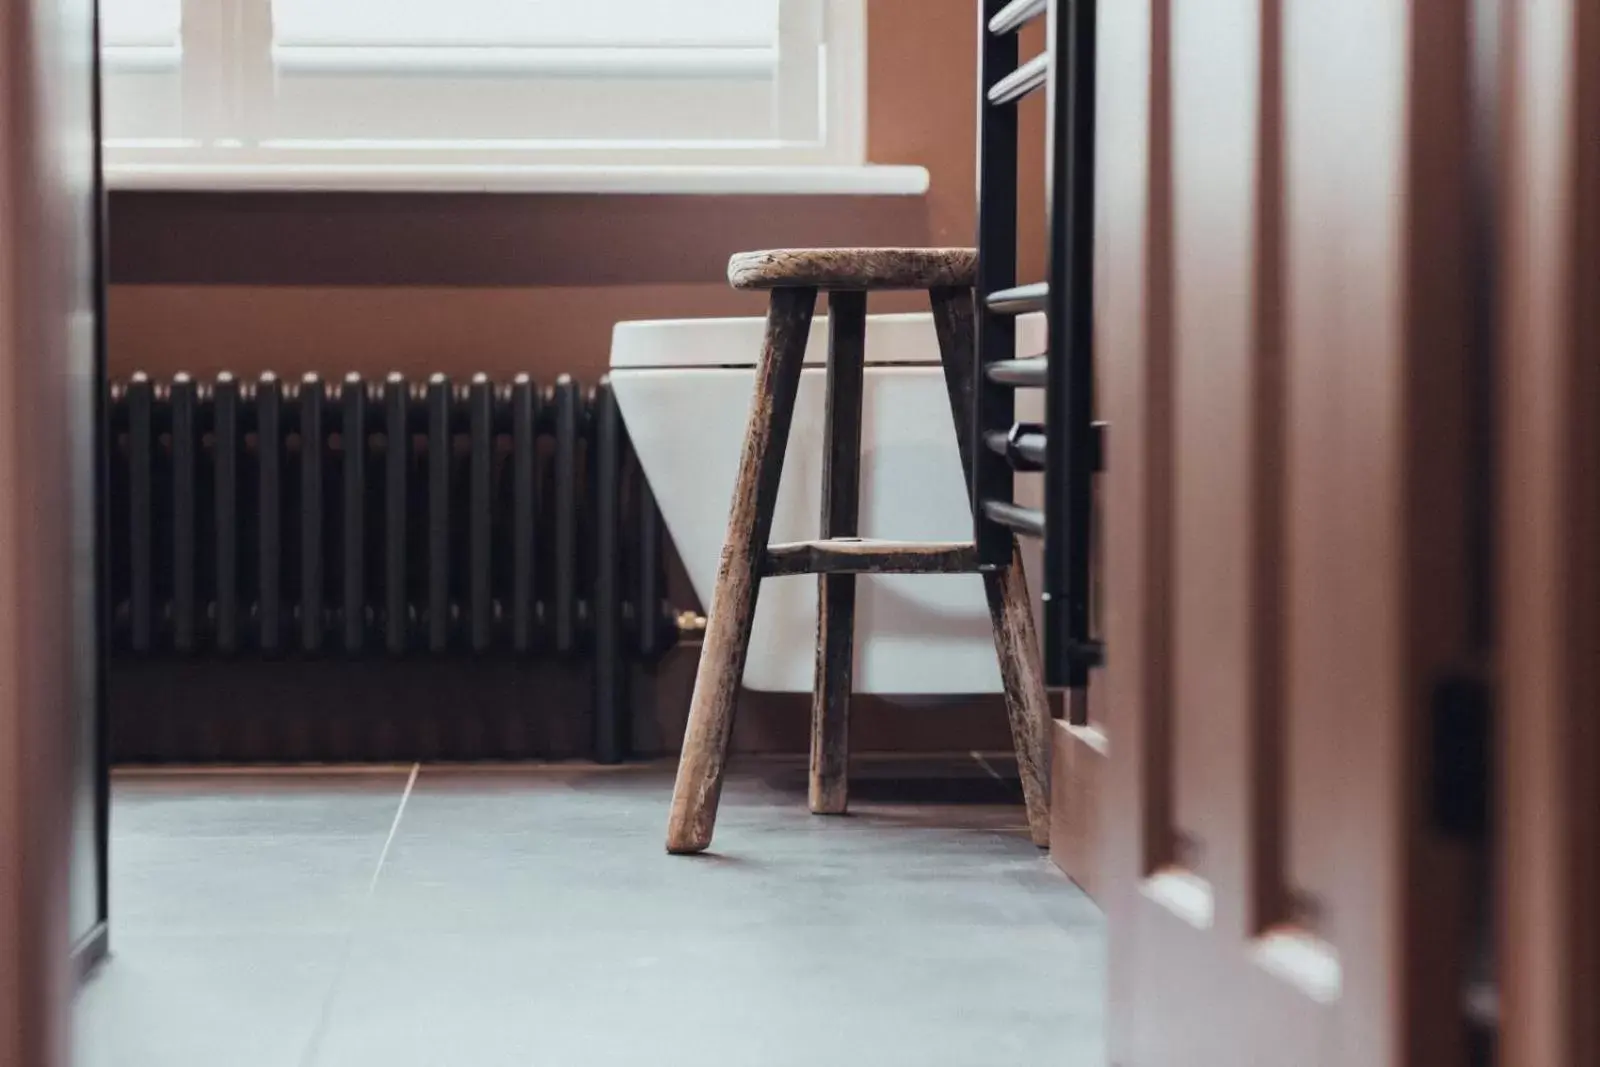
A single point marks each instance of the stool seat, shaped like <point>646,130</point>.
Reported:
<point>854,268</point>
<point>857,555</point>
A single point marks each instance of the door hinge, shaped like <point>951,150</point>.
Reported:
<point>1460,760</point>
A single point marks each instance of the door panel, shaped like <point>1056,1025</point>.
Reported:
<point>1281,332</point>
<point>1214,58</point>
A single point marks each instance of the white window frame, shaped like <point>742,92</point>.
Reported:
<point>226,69</point>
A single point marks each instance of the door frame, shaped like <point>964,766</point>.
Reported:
<point>1547,807</point>
<point>48,288</point>
<point>91,948</point>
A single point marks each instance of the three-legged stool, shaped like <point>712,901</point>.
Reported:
<point>847,275</point>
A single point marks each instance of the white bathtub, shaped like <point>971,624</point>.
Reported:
<point>683,387</point>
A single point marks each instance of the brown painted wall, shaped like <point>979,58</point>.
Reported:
<point>503,283</point>
<point>510,283</point>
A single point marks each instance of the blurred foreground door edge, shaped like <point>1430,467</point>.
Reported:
<point>52,890</point>
<point>1548,386</point>
<point>1285,235</point>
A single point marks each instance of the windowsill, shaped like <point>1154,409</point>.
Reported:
<point>865,180</point>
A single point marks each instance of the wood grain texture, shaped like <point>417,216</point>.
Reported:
<point>853,268</point>
<point>867,556</point>
<point>1006,589</point>
<point>733,602</point>
<point>1022,674</point>
<point>955,324</point>
<point>829,789</point>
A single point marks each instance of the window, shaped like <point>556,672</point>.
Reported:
<point>369,87</point>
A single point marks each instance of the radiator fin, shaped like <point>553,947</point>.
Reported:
<point>336,517</point>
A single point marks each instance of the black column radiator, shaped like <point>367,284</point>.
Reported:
<point>274,519</point>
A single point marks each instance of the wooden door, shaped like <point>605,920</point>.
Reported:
<point>1549,537</point>
<point>1282,336</point>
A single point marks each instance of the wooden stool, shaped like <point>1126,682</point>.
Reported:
<point>846,274</point>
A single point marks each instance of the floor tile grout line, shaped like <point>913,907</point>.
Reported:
<point>394,829</point>
<point>988,768</point>
<point>319,1030</point>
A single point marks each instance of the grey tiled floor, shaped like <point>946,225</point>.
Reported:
<point>528,916</point>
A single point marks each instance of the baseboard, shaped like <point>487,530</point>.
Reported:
<point>1077,761</point>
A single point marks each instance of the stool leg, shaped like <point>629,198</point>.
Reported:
<point>829,791</point>
<point>1022,675</point>
<point>1015,642</point>
<point>733,602</point>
